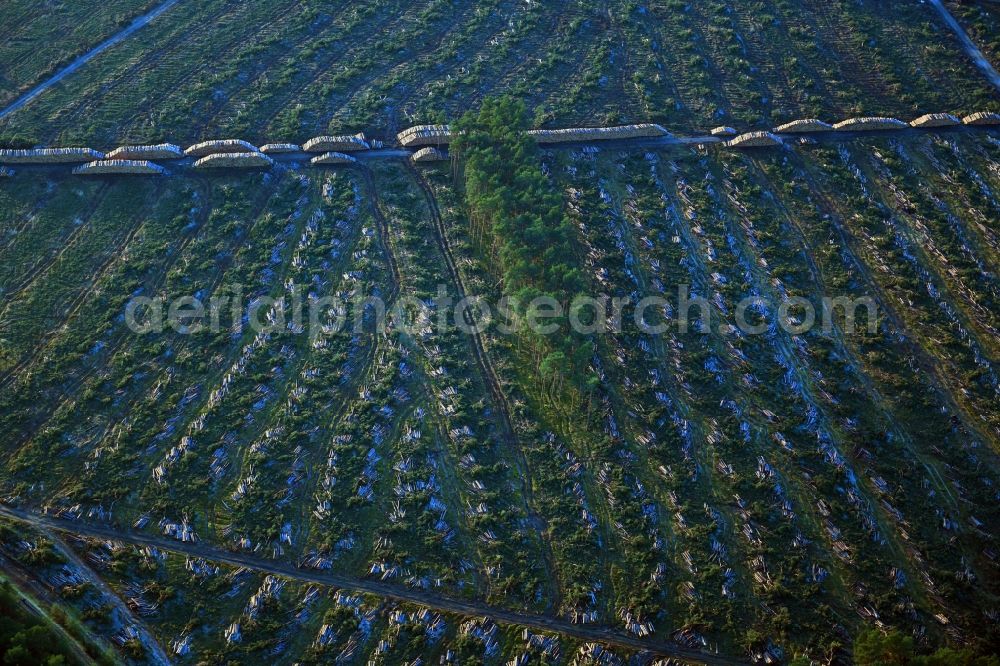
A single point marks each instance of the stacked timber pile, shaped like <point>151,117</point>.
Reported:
<point>6,172</point>
<point>226,146</point>
<point>279,148</point>
<point>425,135</point>
<point>575,134</point>
<point>804,126</point>
<point>50,156</point>
<point>982,118</point>
<point>336,144</point>
<point>869,124</point>
<point>234,161</point>
<point>754,140</point>
<point>161,151</point>
<point>724,131</point>
<point>429,155</point>
<point>332,158</point>
<point>120,167</point>
<point>936,120</point>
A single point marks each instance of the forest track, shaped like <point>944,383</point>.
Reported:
<point>968,45</point>
<point>606,635</point>
<point>383,233</point>
<point>82,60</point>
<point>294,161</point>
<point>149,641</point>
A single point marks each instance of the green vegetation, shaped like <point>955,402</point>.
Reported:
<point>518,220</point>
<point>875,648</point>
<point>37,40</point>
<point>27,639</point>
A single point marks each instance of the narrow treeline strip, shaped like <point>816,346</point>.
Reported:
<point>517,219</point>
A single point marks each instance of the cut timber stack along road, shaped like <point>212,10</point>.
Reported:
<point>229,154</point>
<point>438,602</point>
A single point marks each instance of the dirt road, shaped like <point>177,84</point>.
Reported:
<point>438,602</point>
<point>125,33</point>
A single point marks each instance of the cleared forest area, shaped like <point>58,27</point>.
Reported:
<point>832,477</point>
<point>288,70</point>
<point>296,492</point>
<point>36,39</point>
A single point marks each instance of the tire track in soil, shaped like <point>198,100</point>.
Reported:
<point>29,217</point>
<point>338,406</point>
<point>384,25</point>
<point>383,232</point>
<point>675,391</point>
<point>425,74</point>
<point>267,120</point>
<point>372,75</point>
<point>160,102</point>
<point>896,542</point>
<point>506,71</point>
<point>863,376</point>
<point>442,436</point>
<point>365,368</point>
<point>257,211</point>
